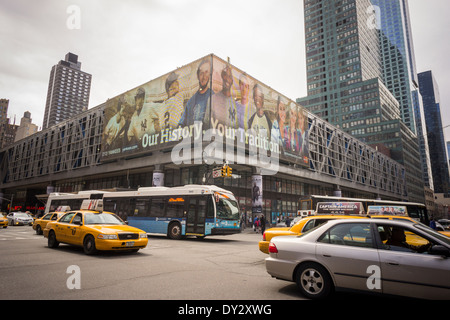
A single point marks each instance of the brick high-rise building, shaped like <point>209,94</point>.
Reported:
<point>68,91</point>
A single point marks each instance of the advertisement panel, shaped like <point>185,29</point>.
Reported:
<point>257,194</point>
<point>156,114</point>
<point>387,210</point>
<point>206,94</point>
<point>252,113</point>
<point>339,208</point>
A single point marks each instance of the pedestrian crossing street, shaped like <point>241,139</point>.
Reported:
<point>17,233</point>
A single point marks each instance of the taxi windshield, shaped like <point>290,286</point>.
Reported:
<point>102,218</point>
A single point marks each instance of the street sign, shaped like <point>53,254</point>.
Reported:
<point>217,172</point>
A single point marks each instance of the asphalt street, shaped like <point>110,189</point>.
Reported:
<point>220,267</point>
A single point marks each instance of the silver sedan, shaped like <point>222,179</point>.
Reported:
<point>19,218</point>
<point>380,256</point>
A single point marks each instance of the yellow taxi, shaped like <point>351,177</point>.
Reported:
<point>94,230</point>
<point>3,221</point>
<point>300,227</point>
<point>40,223</point>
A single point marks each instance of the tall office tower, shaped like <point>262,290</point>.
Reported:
<point>68,91</point>
<point>345,82</point>
<point>436,142</point>
<point>400,73</point>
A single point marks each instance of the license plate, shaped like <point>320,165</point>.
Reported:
<point>130,243</point>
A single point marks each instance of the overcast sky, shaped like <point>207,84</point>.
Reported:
<point>126,43</point>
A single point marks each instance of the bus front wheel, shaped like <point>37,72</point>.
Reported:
<point>174,231</point>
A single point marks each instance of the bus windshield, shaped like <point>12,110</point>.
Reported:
<point>227,208</point>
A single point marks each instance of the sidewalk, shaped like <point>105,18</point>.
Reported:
<point>250,230</point>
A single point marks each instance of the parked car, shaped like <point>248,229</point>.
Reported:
<point>371,255</point>
<point>19,219</point>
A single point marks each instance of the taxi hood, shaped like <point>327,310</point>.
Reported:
<point>111,228</point>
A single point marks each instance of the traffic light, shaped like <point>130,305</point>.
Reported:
<point>229,171</point>
<point>224,171</point>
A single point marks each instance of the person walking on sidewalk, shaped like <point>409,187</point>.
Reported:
<point>263,223</point>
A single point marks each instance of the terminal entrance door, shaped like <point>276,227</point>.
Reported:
<point>195,224</point>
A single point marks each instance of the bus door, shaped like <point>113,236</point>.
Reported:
<point>195,222</point>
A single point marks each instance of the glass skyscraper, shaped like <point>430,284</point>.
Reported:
<point>345,79</point>
<point>400,73</point>
<point>431,103</point>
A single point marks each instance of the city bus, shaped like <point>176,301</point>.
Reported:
<point>417,211</point>
<point>196,210</point>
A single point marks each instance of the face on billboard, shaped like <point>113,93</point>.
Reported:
<point>241,103</point>
<point>206,94</point>
<point>156,113</point>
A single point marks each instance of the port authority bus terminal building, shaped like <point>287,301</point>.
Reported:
<point>181,128</point>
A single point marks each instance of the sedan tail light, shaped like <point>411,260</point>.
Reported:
<point>273,248</point>
<point>264,236</point>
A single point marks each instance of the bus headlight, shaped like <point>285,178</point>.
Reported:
<point>107,236</point>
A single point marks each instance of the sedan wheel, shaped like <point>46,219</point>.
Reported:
<point>314,281</point>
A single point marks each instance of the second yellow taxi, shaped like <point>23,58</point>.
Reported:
<point>94,230</point>
<point>40,223</point>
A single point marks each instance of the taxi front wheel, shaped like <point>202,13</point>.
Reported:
<point>89,245</point>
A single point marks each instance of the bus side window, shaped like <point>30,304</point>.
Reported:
<point>175,209</point>
<point>158,208</point>
<point>125,207</point>
<point>109,206</point>
<point>143,207</point>
<point>202,208</point>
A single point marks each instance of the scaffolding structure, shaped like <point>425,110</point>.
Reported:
<point>61,151</point>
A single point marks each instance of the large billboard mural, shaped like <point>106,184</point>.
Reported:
<point>207,94</point>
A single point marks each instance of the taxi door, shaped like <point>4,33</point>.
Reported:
<point>62,228</point>
<point>74,230</point>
